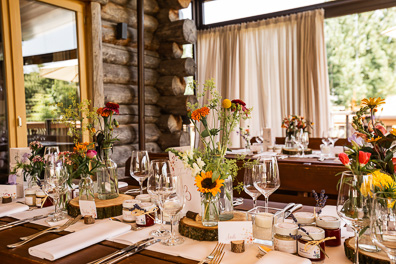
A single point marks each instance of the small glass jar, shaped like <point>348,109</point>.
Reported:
<point>315,253</point>
<point>145,220</point>
<point>127,210</point>
<point>30,197</point>
<point>40,196</point>
<point>282,239</point>
<point>305,218</point>
<point>331,226</point>
<point>144,198</point>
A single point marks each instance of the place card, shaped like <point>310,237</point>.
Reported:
<point>88,208</point>
<point>235,230</point>
<point>8,190</point>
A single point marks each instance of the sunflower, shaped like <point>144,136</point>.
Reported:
<point>373,102</point>
<point>206,185</point>
<point>373,139</point>
<point>199,113</point>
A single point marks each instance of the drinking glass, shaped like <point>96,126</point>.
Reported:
<point>352,205</point>
<point>333,136</point>
<point>302,139</point>
<point>171,197</point>
<point>140,166</point>
<point>248,186</point>
<point>383,224</point>
<point>266,177</point>
<point>158,169</point>
<point>53,150</point>
<point>54,179</point>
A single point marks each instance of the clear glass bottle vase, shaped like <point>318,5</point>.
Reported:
<point>226,200</point>
<point>209,209</point>
<point>106,177</point>
<point>86,188</point>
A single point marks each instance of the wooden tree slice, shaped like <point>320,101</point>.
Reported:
<point>195,230</point>
<point>105,208</point>
<point>238,246</point>
<point>364,257</point>
<point>295,151</point>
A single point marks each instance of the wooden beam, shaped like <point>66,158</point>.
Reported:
<point>140,12</point>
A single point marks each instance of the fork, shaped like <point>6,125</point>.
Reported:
<point>217,259</point>
<point>70,222</point>
<point>212,254</point>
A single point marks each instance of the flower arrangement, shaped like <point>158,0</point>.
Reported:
<point>208,166</point>
<point>104,137</point>
<point>294,123</point>
<point>32,164</point>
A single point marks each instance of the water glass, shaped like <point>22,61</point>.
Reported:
<point>266,177</point>
<point>140,167</point>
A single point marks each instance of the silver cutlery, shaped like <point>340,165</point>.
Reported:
<point>218,248</point>
<point>121,251</point>
<point>22,221</point>
<point>70,222</point>
<point>133,251</point>
<point>294,208</point>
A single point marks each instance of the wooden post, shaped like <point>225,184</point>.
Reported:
<point>140,11</point>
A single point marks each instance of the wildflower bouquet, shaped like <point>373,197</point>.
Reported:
<point>104,137</point>
<point>294,123</point>
<point>32,164</point>
<point>209,166</point>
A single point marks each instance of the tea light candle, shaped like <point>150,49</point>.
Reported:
<point>264,220</point>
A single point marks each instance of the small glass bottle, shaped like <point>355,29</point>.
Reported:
<point>305,218</point>
<point>282,239</point>
<point>127,210</point>
<point>30,197</point>
<point>331,226</point>
<point>145,220</point>
<point>144,198</point>
<point>315,253</point>
<point>40,195</point>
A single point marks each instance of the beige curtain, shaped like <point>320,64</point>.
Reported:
<point>277,66</point>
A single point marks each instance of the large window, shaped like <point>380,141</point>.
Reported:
<point>361,53</point>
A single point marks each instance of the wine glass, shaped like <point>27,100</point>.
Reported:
<point>171,197</point>
<point>352,204</point>
<point>333,136</point>
<point>383,224</point>
<point>140,166</point>
<point>53,150</point>
<point>158,169</point>
<point>266,177</point>
<point>248,185</point>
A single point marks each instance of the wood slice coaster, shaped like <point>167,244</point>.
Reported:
<point>364,257</point>
<point>195,230</point>
<point>296,151</point>
<point>105,208</point>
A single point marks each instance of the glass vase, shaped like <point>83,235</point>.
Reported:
<point>106,176</point>
<point>86,188</point>
<point>209,209</point>
<point>226,200</point>
<point>289,141</point>
<point>33,181</point>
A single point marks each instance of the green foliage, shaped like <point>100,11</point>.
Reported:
<point>361,61</point>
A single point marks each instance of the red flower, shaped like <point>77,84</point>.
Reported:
<point>113,107</point>
<point>237,102</point>
<point>343,158</point>
<point>364,157</point>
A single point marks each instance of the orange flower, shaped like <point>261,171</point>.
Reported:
<point>199,113</point>
<point>373,139</point>
<point>104,112</point>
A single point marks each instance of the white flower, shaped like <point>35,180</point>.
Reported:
<point>200,162</point>
<point>190,154</point>
<point>184,157</point>
<point>195,169</point>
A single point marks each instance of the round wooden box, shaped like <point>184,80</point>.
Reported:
<point>104,208</point>
<point>195,230</point>
<point>295,151</point>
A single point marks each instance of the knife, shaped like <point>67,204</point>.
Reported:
<point>290,211</point>
<point>121,251</point>
<point>23,221</point>
<point>134,251</point>
<point>287,207</point>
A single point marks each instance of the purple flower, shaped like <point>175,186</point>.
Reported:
<point>12,179</point>
<point>25,157</point>
<point>356,139</point>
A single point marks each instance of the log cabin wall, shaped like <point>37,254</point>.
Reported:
<point>164,71</point>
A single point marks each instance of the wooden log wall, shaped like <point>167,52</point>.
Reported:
<point>165,70</point>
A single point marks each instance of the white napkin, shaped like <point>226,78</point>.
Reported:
<point>71,243</point>
<point>238,151</point>
<point>9,209</point>
<point>278,257</point>
<point>264,154</point>
<point>122,184</point>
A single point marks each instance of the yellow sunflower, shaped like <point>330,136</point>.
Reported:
<point>373,102</point>
<point>205,184</point>
<point>373,139</point>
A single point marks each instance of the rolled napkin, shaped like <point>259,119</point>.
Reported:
<point>282,258</point>
<point>73,242</point>
<point>9,209</point>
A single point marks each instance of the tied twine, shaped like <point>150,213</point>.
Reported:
<point>311,244</point>
<point>139,212</point>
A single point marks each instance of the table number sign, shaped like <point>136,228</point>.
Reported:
<point>235,230</point>
<point>9,191</point>
<point>192,196</point>
<point>88,208</point>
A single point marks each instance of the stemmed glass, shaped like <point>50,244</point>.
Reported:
<point>383,224</point>
<point>248,185</point>
<point>54,179</point>
<point>266,177</point>
<point>140,166</point>
<point>158,169</point>
<point>352,205</point>
<point>171,197</point>
<point>54,150</point>
<point>302,139</point>
<point>333,136</point>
